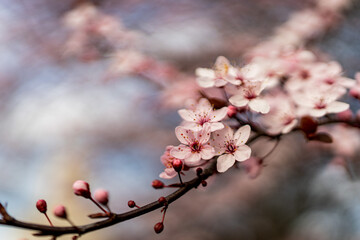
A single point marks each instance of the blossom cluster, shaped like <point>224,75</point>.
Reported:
<point>270,94</point>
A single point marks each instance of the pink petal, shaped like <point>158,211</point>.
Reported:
<point>242,153</point>
<point>180,152</point>
<point>224,162</point>
<point>207,152</point>
<point>242,135</point>
<point>216,126</point>
<point>192,158</point>
<point>259,105</point>
<point>238,101</point>
<point>187,115</point>
<point>317,112</point>
<point>203,136</point>
<point>185,136</point>
<point>336,107</point>
<point>289,126</point>
<point>218,115</point>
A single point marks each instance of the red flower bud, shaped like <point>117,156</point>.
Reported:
<point>81,188</point>
<point>199,171</point>
<point>157,184</point>
<point>102,196</point>
<point>159,227</point>
<point>60,211</point>
<point>308,125</point>
<point>231,111</point>
<point>41,206</point>
<point>177,165</point>
<point>131,204</point>
<point>203,183</point>
<point>163,201</point>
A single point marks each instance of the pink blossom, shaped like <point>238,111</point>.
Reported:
<point>248,95</point>
<point>60,211</point>
<point>219,76</point>
<point>282,116</point>
<point>194,145</point>
<point>167,160</point>
<point>319,100</point>
<point>203,113</point>
<point>81,188</point>
<point>102,196</point>
<point>231,146</point>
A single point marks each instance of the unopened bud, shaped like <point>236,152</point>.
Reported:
<point>177,165</point>
<point>81,188</point>
<point>355,93</point>
<point>60,211</point>
<point>308,125</point>
<point>203,183</point>
<point>131,204</point>
<point>163,201</point>
<point>231,111</point>
<point>102,196</point>
<point>41,206</point>
<point>159,227</point>
<point>157,184</point>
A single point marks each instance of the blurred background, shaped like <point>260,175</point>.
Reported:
<point>89,90</point>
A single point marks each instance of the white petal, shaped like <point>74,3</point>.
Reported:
<point>242,153</point>
<point>187,115</point>
<point>224,162</point>
<point>192,159</point>
<point>259,105</point>
<point>207,152</point>
<point>238,101</point>
<point>205,82</point>
<point>336,107</point>
<point>242,135</point>
<point>203,136</point>
<point>180,152</point>
<point>290,126</point>
<point>317,112</point>
<point>205,72</point>
<point>185,136</point>
<point>216,126</point>
<point>218,115</point>
<point>192,126</point>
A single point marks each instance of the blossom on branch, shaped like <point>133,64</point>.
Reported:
<point>203,113</point>
<point>231,146</point>
<point>194,145</point>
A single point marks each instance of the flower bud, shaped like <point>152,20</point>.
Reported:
<point>41,206</point>
<point>157,184</point>
<point>231,111</point>
<point>81,188</point>
<point>203,183</point>
<point>159,227</point>
<point>60,211</point>
<point>131,204</point>
<point>308,125</point>
<point>177,164</point>
<point>199,171</point>
<point>102,196</point>
<point>163,201</point>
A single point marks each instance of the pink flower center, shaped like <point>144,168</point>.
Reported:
<point>250,94</point>
<point>304,74</point>
<point>329,81</point>
<point>196,147</point>
<point>230,147</point>
<point>321,104</point>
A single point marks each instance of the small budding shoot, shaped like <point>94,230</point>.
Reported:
<point>177,165</point>
<point>132,204</point>
<point>102,196</point>
<point>81,188</point>
<point>157,184</point>
<point>159,227</point>
<point>42,207</point>
<point>163,201</point>
<point>199,171</point>
<point>60,211</point>
<point>203,183</point>
<point>231,111</point>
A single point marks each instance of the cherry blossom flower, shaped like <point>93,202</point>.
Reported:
<point>282,117</point>
<point>319,100</point>
<point>194,145</point>
<point>355,90</point>
<point>203,113</point>
<point>218,76</point>
<point>167,160</point>
<point>248,95</point>
<point>231,146</point>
